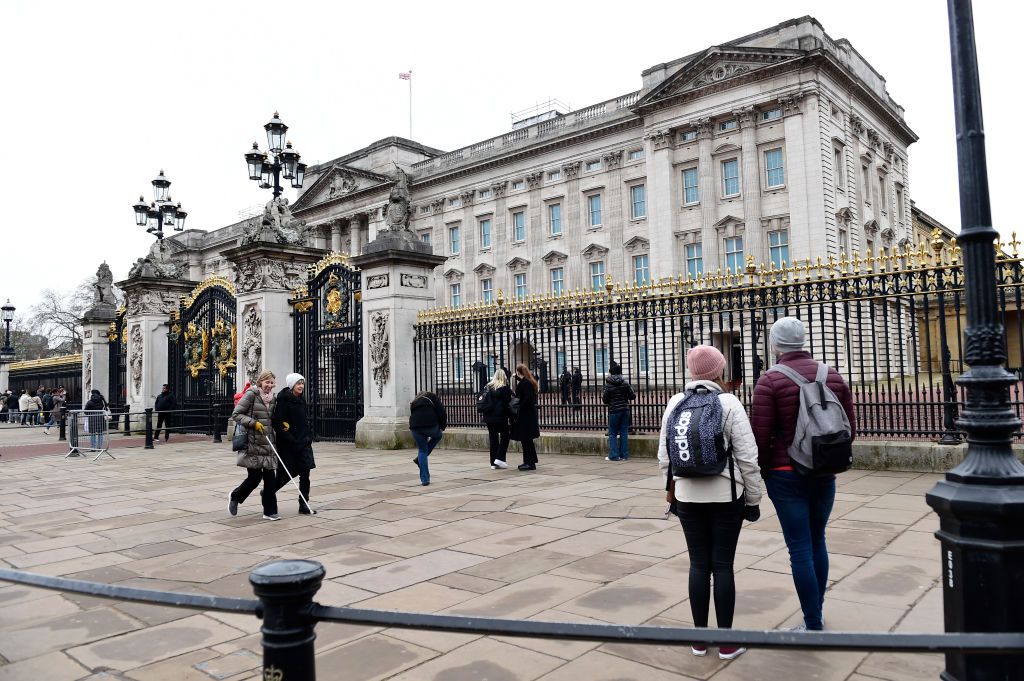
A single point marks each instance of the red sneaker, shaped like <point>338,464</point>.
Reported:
<point>730,653</point>
<point>699,651</point>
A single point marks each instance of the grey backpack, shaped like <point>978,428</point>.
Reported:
<point>823,443</point>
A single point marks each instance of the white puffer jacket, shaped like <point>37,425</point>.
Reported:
<point>738,434</point>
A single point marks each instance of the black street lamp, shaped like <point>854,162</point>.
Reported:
<point>161,212</point>
<point>980,503</point>
<point>282,162</point>
<point>7,312</point>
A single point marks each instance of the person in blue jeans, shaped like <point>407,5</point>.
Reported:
<point>427,421</point>
<point>617,395</point>
<point>803,502</point>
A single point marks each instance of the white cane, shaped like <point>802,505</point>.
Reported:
<point>290,478</point>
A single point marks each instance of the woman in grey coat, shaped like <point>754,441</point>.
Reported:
<point>253,412</point>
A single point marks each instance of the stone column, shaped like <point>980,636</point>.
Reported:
<point>501,237</point>
<point>402,268</point>
<point>5,373</point>
<point>371,225</point>
<point>96,352</point>
<point>149,302</point>
<point>709,191</point>
<point>754,241</point>
<point>266,275</point>
<point>661,203</point>
<point>573,227</point>
<point>616,218</point>
<point>336,236</point>
<point>807,209</point>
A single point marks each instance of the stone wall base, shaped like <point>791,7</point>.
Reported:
<point>386,432</point>
<point>923,457</point>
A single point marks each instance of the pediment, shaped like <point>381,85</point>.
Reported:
<point>871,226</point>
<point>517,263</point>
<point>637,244</point>
<point>484,269</point>
<point>717,65</point>
<point>725,148</point>
<point>844,216</point>
<point>553,257</point>
<point>728,220</point>
<point>454,275</point>
<point>594,251</point>
<point>338,182</point>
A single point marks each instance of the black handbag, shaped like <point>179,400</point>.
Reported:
<point>240,440</point>
<point>513,405</point>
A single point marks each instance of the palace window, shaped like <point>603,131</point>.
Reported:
<point>636,154</point>
<point>520,282</point>
<point>456,295</point>
<point>694,260</point>
<point>454,240</point>
<point>734,254</point>
<point>728,125</point>
<point>455,203</point>
<point>557,281</point>
<point>771,114</point>
<point>778,247</point>
<point>559,361</point>
<point>731,178</point>
<point>601,360</point>
<point>641,269</point>
<point>485,233</point>
<point>775,173</point>
<point>519,226</point>
<point>844,241</point>
<point>691,194</point>
<point>518,184</point>
<point>555,219</point>
<point>594,206</point>
<point>554,175</point>
<point>840,168</point>
<point>641,357</point>
<point>688,136</point>
<point>458,368</point>
<point>485,193</point>
<point>900,205</point>
<point>487,291</point>
<point>638,201</point>
<point>597,275</point>
<point>593,165</point>
<point>425,237</point>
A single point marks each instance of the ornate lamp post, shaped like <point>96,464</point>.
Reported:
<point>7,312</point>
<point>161,212</point>
<point>282,161</point>
<point>981,502</point>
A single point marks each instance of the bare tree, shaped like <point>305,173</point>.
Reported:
<point>58,315</point>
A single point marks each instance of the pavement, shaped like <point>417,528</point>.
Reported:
<point>580,540</point>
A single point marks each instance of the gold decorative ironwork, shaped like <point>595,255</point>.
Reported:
<point>112,333</point>
<point>209,282</point>
<point>300,300</point>
<point>64,360</point>
<point>197,349</point>
<point>333,258</point>
<point>224,337</point>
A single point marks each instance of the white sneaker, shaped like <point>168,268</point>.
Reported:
<point>698,651</point>
<point>730,653</point>
<point>271,517</point>
<point>498,463</point>
<point>494,468</point>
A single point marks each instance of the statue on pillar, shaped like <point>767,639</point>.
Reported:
<point>158,264</point>
<point>397,214</point>
<point>103,292</point>
<point>276,225</point>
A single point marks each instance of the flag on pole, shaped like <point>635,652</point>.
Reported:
<point>405,76</point>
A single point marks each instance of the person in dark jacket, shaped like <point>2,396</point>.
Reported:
<point>526,424</point>
<point>12,407</point>
<point>565,384</point>
<point>617,395</point>
<point>498,395</point>
<point>294,438</point>
<point>165,402</point>
<point>577,388</point>
<point>94,419</point>
<point>803,503</point>
<point>427,421</point>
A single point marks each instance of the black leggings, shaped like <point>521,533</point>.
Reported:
<point>712,531</point>
<point>497,437</point>
<point>529,452</point>
<point>252,481</point>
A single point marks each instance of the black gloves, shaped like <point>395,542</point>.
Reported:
<point>752,513</point>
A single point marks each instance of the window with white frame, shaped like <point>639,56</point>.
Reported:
<point>518,184</point>
<point>594,207</point>
<point>900,205</point>
<point>641,357</point>
<point>775,173</point>
<point>734,253</point>
<point>694,260</point>
<point>485,233</point>
<point>641,269</point>
<point>554,175</point>
<point>557,281</point>
<point>458,368</point>
<point>593,165</point>
<point>425,237</point>
<point>455,203</point>
<point>731,177</point>
<point>487,290</point>
<point>456,295</point>
<point>424,210</point>
<point>601,360</point>
<point>688,136</point>
<point>485,193</point>
<point>638,201</point>
<point>728,125</point>
<point>840,167</point>
<point>597,275</point>
<point>771,114</point>
<point>520,286</point>
<point>519,225</point>
<point>778,247</point>
<point>866,186</point>
<point>844,241</point>
<point>559,361</point>
<point>555,219</point>
<point>636,154</point>
<point>454,240</point>
<point>883,196</point>
<point>691,194</point>
<point>492,365</point>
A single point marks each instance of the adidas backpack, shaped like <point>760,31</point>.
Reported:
<point>694,439</point>
<point>822,444</point>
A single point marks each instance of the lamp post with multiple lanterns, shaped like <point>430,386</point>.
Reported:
<point>7,312</point>
<point>162,211</point>
<point>280,161</point>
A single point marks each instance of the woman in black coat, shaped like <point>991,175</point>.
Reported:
<point>94,421</point>
<point>526,424</point>
<point>294,437</point>
<point>494,413</point>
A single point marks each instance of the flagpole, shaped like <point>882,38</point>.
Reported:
<point>410,104</point>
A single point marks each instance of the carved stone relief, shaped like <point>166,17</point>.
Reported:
<point>572,170</point>
<point>499,188</point>
<point>253,348</point>
<point>276,225</point>
<point>533,180</point>
<point>378,281</point>
<point>467,198</point>
<point>380,349</point>
<point>158,264</point>
<point>136,359</point>
<point>661,139</point>
<point>151,302</point>
<point>414,281</point>
<point>717,73</point>
<point>265,273</point>
<point>87,371</point>
<point>613,160</point>
<point>343,183</point>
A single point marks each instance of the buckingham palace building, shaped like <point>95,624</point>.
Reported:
<point>779,146</point>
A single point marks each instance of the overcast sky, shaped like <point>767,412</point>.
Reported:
<point>98,96</point>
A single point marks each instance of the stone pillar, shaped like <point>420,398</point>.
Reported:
<point>754,241</point>
<point>266,275</point>
<point>336,236</point>
<point>371,226</point>
<point>96,352</point>
<point>149,302</point>
<point>402,268</point>
<point>662,204</point>
<point>5,372</point>
<point>709,192</point>
<point>806,206</point>
<point>616,218</point>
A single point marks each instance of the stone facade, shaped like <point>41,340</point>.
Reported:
<point>780,145</point>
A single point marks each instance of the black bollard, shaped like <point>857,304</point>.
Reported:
<point>127,420</point>
<point>216,423</point>
<point>286,589</point>
<point>149,429</point>
<point>63,428</point>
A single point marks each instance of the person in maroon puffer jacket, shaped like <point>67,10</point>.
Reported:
<point>803,503</point>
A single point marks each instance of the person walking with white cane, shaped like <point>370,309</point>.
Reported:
<point>294,439</point>
<point>253,412</point>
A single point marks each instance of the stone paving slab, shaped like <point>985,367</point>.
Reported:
<point>559,544</point>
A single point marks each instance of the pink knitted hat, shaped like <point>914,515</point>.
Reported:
<point>706,363</point>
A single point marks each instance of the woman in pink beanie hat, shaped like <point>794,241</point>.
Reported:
<point>708,455</point>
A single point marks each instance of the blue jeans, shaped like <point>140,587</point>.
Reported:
<point>804,505</point>
<point>618,435</point>
<point>426,440</point>
<point>96,440</point>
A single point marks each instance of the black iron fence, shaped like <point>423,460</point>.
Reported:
<point>891,323</point>
<point>285,590</point>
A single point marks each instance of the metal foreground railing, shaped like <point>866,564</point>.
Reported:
<point>285,591</point>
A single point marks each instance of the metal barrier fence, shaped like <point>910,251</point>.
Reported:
<point>92,426</point>
<point>285,590</point>
<point>891,323</point>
